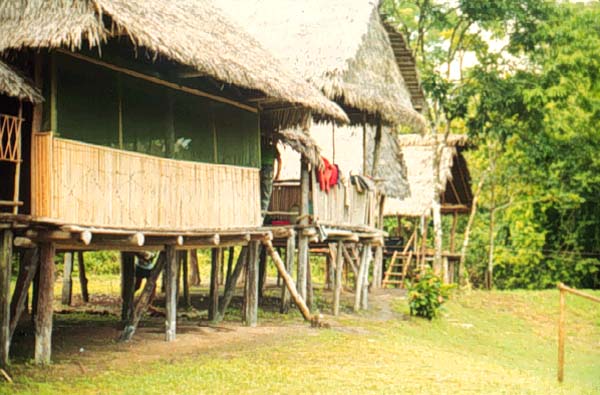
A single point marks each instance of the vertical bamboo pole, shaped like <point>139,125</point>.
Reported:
<point>170,273</point>
<point>339,268</point>
<point>6,241</point>
<point>561,336</point>
<point>43,317</point>
<point>36,126</point>
<point>67,282</point>
<point>19,142</point>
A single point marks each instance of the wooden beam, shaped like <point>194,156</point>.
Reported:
<point>250,315</point>
<point>171,269</point>
<point>27,269</point>
<point>6,254</point>
<point>43,317</point>
<point>127,285</point>
<point>215,269</point>
<point>158,81</point>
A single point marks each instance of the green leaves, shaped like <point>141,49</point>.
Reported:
<point>426,295</point>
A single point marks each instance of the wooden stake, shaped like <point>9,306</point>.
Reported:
<point>215,264</point>
<point>6,243</point>
<point>171,270</point>
<point>144,300</point>
<point>85,296</point>
<point>28,268</point>
<point>127,285</point>
<point>67,282</point>
<point>251,289</point>
<point>289,268</point>
<point>43,317</point>
<point>230,287</point>
<point>289,282</point>
<point>337,285</point>
<point>561,336</point>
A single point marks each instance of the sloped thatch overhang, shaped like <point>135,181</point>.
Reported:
<point>419,152</point>
<point>13,84</point>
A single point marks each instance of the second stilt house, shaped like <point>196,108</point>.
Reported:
<point>144,135</point>
<point>334,194</point>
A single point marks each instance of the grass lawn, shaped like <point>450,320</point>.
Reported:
<point>498,342</point>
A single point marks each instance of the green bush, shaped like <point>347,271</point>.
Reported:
<point>426,294</point>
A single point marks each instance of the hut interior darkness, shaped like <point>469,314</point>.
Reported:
<point>136,125</point>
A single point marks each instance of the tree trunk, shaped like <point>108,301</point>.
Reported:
<point>127,285</point>
<point>462,277</point>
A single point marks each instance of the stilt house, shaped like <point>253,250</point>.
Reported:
<point>131,125</point>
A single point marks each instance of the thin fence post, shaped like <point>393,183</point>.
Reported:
<point>561,337</point>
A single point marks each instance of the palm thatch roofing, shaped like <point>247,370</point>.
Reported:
<point>390,174</point>
<point>13,84</point>
<point>419,153</point>
<point>341,46</point>
<point>189,32</point>
<point>408,67</point>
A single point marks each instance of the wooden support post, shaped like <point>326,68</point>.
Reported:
<point>359,280</point>
<point>6,243</point>
<point>215,269</point>
<point>195,272</point>
<point>35,293</point>
<point>329,264</point>
<point>310,294</point>
<point>289,282</point>
<point>67,283</point>
<point>366,257</point>
<point>144,300</point>
<point>561,335</point>
<point>85,296</point>
<point>127,285</point>
<point>453,231</point>
<point>302,265</point>
<point>43,317</point>
<point>303,240</point>
<point>171,269</point>
<point>378,267</point>
<point>231,285</point>
<point>337,284</point>
<point>187,300</point>
<point>262,271</point>
<point>28,268</point>
<point>289,268</point>
<point>251,289</point>
<point>230,257</point>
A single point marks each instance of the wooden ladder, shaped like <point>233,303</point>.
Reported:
<point>393,277</point>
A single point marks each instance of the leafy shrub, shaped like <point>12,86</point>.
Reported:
<point>426,294</point>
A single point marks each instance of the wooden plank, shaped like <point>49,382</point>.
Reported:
<point>250,313</point>
<point>43,317</point>
<point>127,285</point>
<point>6,254</point>
<point>215,264</point>
<point>67,283</point>
<point>171,269</point>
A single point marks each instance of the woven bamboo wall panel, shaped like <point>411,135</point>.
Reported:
<point>99,186</point>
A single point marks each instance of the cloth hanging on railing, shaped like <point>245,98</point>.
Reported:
<point>327,175</point>
<point>361,183</point>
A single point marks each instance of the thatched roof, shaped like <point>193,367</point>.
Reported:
<point>13,84</point>
<point>391,173</point>
<point>339,45</point>
<point>419,153</point>
<point>189,32</point>
<point>408,67</point>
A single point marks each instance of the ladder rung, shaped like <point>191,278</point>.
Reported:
<point>392,282</point>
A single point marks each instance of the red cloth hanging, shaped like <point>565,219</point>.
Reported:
<point>327,175</point>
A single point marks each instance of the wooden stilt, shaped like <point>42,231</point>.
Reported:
<point>127,285</point>
<point>337,284</point>
<point>262,271</point>
<point>359,280</point>
<point>43,317</point>
<point>6,243</point>
<point>289,267</point>
<point>187,301</point>
<point>329,264</point>
<point>309,286</point>
<point>231,285</point>
<point>28,268</point>
<point>85,296</point>
<point>302,239</point>
<point>35,293</point>
<point>215,269</point>
<point>222,269</point>
<point>378,267</point>
<point>170,274</point>
<point>301,278</point>
<point>230,257</point>
<point>67,282</point>
<point>366,257</point>
<point>251,288</point>
<point>195,272</point>
<point>144,300</point>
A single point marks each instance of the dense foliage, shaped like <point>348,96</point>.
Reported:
<point>426,294</point>
<point>529,98</point>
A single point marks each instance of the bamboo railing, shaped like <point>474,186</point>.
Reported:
<point>562,324</point>
<point>10,151</point>
<point>79,183</point>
